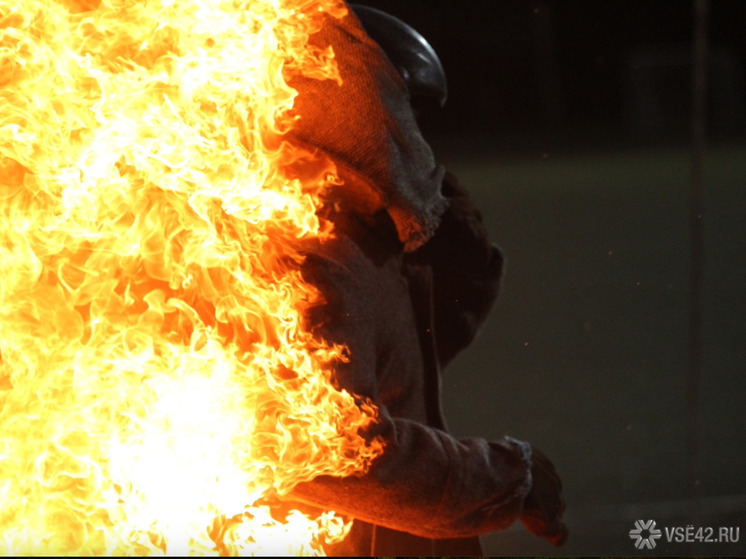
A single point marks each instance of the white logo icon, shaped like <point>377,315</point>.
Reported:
<point>637,534</point>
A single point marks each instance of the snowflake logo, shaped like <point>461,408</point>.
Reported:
<point>638,534</point>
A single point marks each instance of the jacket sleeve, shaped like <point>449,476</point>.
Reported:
<point>431,485</point>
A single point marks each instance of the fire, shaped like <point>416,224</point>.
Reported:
<point>159,391</point>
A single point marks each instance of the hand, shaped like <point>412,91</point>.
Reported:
<point>543,506</point>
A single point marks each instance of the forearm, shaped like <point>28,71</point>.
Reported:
<point>431,485</point>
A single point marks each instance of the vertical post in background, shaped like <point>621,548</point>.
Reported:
<point>697,255</point>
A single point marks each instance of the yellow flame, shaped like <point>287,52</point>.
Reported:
<point>158,389</point>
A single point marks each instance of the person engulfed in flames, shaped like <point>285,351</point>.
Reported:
<point>408,280</point>
<point>231,274</point>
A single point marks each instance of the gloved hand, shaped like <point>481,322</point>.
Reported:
<point>543,506</point>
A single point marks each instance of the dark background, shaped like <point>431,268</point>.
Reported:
<point>570,122</point>
<point>520,66</point>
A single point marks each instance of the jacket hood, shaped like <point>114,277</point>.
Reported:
<point>366,125</point>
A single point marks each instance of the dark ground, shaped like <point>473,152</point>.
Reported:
<point>586,352</point>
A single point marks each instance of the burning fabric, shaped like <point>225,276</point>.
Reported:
<point>222,238</point>
<point>158,387</point>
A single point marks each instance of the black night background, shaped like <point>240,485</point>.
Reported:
<point>570,121</point>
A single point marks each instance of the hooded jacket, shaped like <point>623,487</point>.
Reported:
<point>429,493</point>
<point>407,280</point>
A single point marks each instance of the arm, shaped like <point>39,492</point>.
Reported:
<point>431,485</point>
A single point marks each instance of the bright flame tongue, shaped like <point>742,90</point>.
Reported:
<point>157,389</point>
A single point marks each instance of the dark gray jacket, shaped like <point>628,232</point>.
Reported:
<point>403,316</point>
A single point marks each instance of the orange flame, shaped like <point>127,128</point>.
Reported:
<point>158,389</point>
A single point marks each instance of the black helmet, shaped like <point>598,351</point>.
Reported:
<point>412,56</point>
